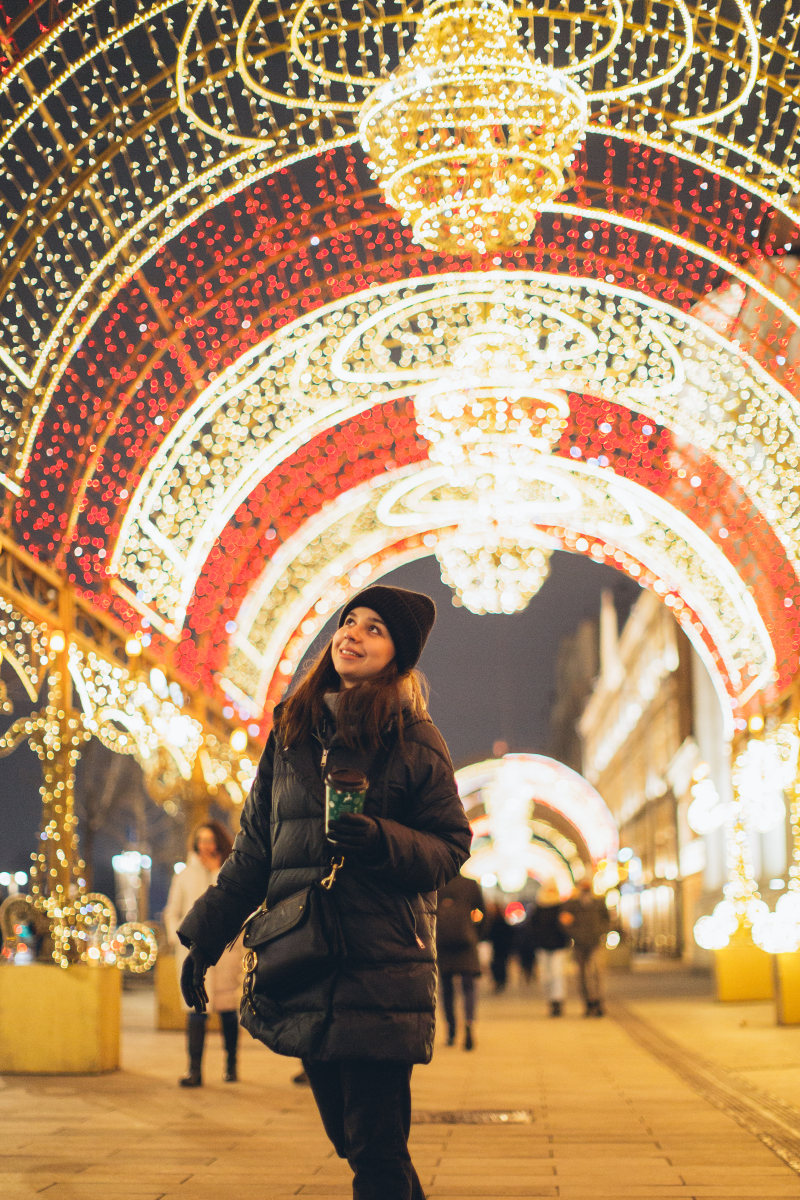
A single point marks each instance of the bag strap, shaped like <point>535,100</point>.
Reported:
<point>329,880</point>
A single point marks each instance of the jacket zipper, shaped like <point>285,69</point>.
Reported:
<point>417,938</point>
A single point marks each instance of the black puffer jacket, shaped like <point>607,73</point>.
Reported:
<point>380,1003</point>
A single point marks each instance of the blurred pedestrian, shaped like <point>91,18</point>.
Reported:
<point>361,1025</point>
<point>525,947</point>
<point>586,920</point>
<point>499,934</point>
<point>459,915</point>
<point>551,941</point>
<point>210,845</point>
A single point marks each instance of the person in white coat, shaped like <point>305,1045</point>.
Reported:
<point>210,845</point>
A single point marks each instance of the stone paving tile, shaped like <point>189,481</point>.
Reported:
<point>489,1189</point>
<point>664,1175</point>
<point>72,1189</point>
<point>766,1190</point>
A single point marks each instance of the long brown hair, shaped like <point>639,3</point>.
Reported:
<point>222,838</point>
<point>363,712</point>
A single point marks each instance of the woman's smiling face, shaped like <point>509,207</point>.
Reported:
<point>361,647</point>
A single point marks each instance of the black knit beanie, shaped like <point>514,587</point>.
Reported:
<point>408,616</point>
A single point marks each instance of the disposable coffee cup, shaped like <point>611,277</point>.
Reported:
<point>345,791</point>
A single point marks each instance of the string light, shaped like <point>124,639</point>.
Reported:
<point>129,717</point>
<point>763,770</point>
<point>679,374</point>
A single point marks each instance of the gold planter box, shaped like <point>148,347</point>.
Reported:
<point>743,972</point>
<point>59,1021</point>
<point>787,991</point>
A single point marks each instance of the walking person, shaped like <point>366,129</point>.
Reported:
<point>548,936</point>
<point>586,920</point>
<point>210,845</point>
<point>458,919</point>
<point>359,1032</point>
<point>525,948</point>
<point>499,934</point>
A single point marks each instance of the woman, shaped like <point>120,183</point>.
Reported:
<point>547,934</point>
<point>210,845</point>
<point>360,706</point>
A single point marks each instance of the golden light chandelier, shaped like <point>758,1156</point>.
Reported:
<point>487,419</point>
<point>489,425</point>
<point>491,568</point>
<point>469,137</point>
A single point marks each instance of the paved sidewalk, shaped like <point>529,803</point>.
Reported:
<point>671,1096</point>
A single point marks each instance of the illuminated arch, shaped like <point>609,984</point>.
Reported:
<point>336,363</point>
<point>508,798</point>
<point>347,545</point>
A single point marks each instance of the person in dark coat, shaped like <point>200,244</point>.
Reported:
<point>586,920</point>
<point>458,919</point>
<point>360,1030</point>
<point>500,935</point>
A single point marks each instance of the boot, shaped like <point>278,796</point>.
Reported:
<point>555,1008</point>
<point>230,1034</point>
<point>195,1038</point>
<point>468,1042</point>
<point>451,1033</point>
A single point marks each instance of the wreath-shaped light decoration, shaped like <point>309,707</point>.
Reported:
<point>92,919</point>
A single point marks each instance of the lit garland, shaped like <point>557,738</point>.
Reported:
<point>764,769</point>
<point>686,377</point>
<point>130,716</point>
<point>23,645</point>
<point>89,565</point>
<point>642,536</point>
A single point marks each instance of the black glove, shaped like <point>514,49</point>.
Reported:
<point>193,974</point>
<point>353,832</point>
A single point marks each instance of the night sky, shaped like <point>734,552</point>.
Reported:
<point>491,678</point>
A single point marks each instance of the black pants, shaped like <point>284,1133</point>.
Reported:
<point>449,997</point>
<point>366,1110</point>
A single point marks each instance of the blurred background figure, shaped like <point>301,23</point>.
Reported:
<point>525,946</point>
<point>499,934</point>
<point>209,846</point>
<point>586,920</point>
<point>458,920</point>
<point>547,935</point>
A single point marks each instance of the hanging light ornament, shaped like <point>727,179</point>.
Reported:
<point>487,419</point>
<point>490,426</point>
<point>470,137</point>
<point>491,571</point>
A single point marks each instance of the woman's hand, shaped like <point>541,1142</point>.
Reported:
<point>355,833</point>
<point>193,977</point>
